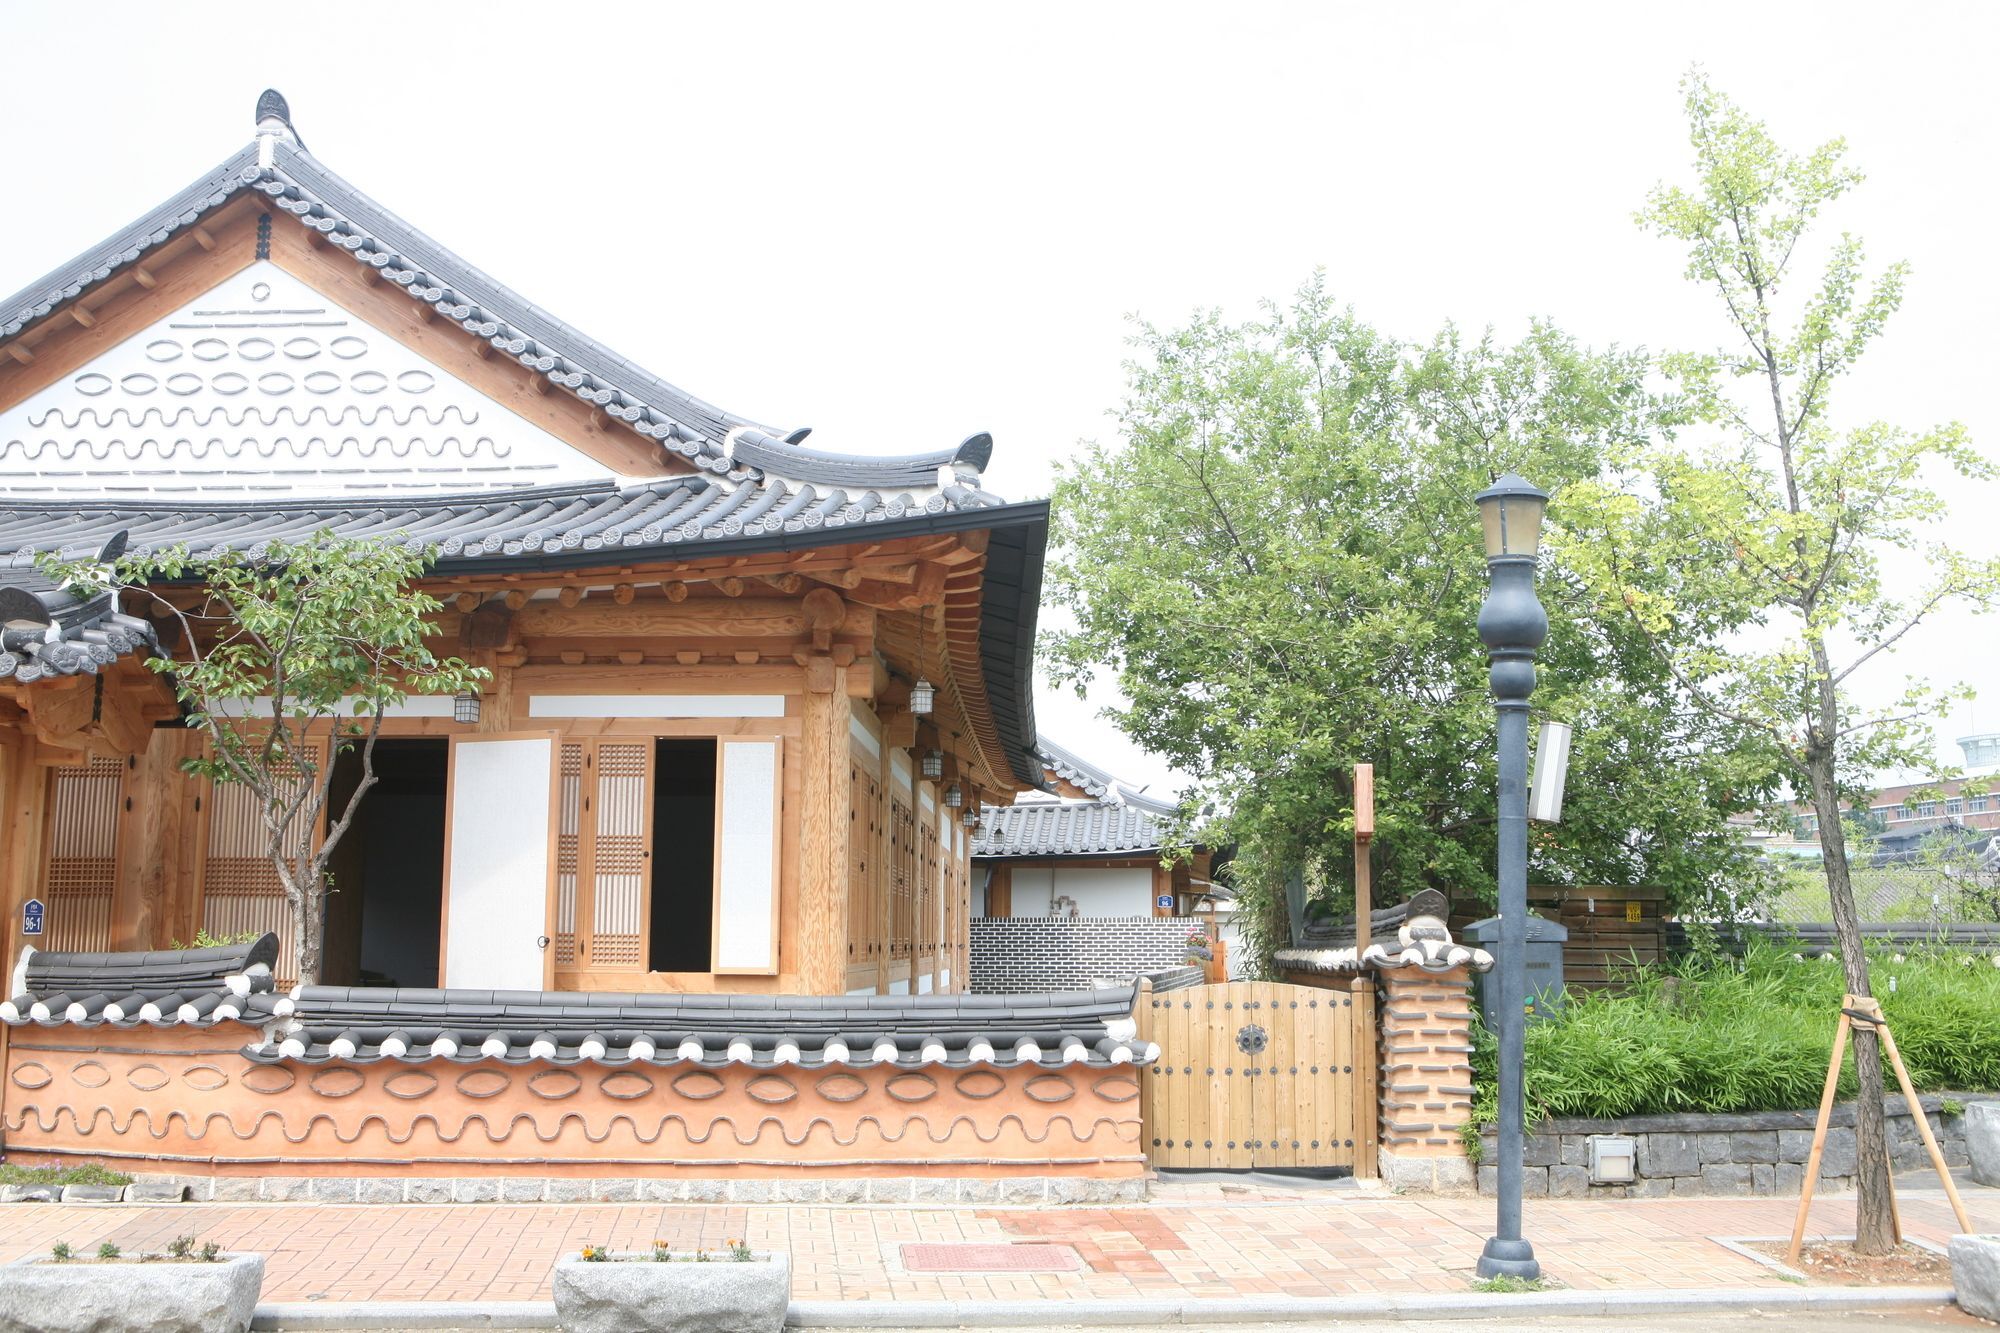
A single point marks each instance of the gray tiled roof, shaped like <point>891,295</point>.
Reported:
<point>362,1025</point>
<point>1065,828</point>
<point>300,185</point>
<point>225,983</point>
<point>47,631</point>
<point>1094,781</point>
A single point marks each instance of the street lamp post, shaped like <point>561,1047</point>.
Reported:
<point>1512,625</point>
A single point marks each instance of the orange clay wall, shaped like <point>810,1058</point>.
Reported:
<point>186,1100</point>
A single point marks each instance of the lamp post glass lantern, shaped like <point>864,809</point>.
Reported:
<point>1512,625</point>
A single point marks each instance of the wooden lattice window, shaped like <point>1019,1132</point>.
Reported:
<point>83,849</point>
<point>603,880</point>
<point>902,877</point>
<point>863,891</point>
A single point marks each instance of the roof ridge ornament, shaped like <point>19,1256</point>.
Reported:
<point>274,122</point>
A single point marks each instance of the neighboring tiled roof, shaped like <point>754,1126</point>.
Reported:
<point>46,631</point>
<point>230,982</point>
<point>1065,828</point>
<point>362,1025</point>
<point>1094,781</point>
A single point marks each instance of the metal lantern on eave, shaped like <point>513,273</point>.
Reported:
<point>933,763</point>
<point>954,797</point>
<point>923,697</point>
<point>970,819</point>
<point>465,707</point>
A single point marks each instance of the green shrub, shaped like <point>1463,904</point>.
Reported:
<point>90,1173</point>
<point>1722,1034</point>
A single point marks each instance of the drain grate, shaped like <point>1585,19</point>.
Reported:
<point>974,1257</point>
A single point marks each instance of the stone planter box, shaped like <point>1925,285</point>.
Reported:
<point>1982,1141</point>
<point>630,1292</point>
<point>166,1296</point>
<point>1975,1274</point>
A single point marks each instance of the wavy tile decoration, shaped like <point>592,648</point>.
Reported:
<point>156,1094</point>
<point>263,388</point>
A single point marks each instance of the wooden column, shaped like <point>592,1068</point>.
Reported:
<point>155,824</point>
<point>24,818</point>
<point>885,875</point>
<point>821,932</point>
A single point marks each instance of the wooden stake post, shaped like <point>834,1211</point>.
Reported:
<point>1364,833</point>
<point>1866,1010</point>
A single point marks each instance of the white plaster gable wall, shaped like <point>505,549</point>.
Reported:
<point>264,388</point>
<point>1097,890</point>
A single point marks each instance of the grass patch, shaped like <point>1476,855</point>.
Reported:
<point>1721,1034</point>
<point>1506,1284</point>
<point>89,1173</point>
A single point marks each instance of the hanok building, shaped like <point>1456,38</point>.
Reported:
<point>696,858</point>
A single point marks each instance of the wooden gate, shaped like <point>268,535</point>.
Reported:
<point>1261,1074</point>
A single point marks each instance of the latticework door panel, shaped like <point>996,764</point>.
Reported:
<point>83,849</point>
<point>863,892</point>
<point>623,809</point>
<point>902,877</point>
<point>568,833</point>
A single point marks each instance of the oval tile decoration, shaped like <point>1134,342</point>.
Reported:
<point>138,382</point>
<point>483,1083</point>
<point>301,348</point>
<point>1116,1089</point>
<point>626,1085</point>
<point>31,1075</point>
<point>697,1085</point>
<point>336,1082</point>
<point>979,1084</point>
<point>147,1078</point>
<point>89,1074</point>
<point>415,381</point>
<point>347,347</point>
<point>770,1089</point>
<point>260,291</point>
<point>92,385</point>
<point>369,381</point>
<point>209,349</point>
<point>229,383</point>
<point>274,382</point>
<point>322,381</point>
<point>163,349</point>
<point>911,1087</point>
<point>184,384</point>
<point>555,1084</point>
<point>204,1078</point>
<point>1049,1088</point>
<point>256,349</point>
<point>270,1080</point>
<point>410,1084</point>
<point>841,1088</point>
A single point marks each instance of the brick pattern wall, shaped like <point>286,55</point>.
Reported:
<point>1426,1077</point>
<point>1026,955</point>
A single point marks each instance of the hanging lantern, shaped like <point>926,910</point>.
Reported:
<point>465,707</point>
<point>934,763</point>
<point>970,819</point>
<point>953,797</point>
<point>923,695</point>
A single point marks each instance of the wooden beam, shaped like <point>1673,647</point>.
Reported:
<point>674,592</point>
<point>570,595</point>
<point>144,277</point>
<point>623,594</point>
<point>83,318</point>
<point>61,707</point>
<point>20,353</point>
<point>203,238</point>
<point>748,618</point>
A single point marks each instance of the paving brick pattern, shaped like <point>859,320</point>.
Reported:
<point>1195,1241</point>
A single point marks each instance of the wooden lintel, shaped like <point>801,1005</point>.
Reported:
<point>748,618</point>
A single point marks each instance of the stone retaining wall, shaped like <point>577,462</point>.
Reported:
<point>1755,1152</point>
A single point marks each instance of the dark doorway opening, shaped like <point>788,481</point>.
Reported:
<point>683,885</point>
<point>385,905</point>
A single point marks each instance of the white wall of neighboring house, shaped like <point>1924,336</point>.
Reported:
<point>1098,891</point>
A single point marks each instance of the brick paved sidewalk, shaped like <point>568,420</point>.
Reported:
<point>1234,1242</point>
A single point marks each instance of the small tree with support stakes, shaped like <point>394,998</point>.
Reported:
<point>306,642</point>
<point>1754,567</point>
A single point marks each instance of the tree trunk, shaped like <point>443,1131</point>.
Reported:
<point>1875,1229</point>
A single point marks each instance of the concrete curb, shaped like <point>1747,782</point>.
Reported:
<point>1101,1314</point>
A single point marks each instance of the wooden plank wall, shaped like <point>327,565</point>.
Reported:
<point>1609,926</point>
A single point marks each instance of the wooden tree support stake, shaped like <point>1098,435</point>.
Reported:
<point>1866,1010</point>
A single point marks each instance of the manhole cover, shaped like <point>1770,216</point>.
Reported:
<point>972,1257</point>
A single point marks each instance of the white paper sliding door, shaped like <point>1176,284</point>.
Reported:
<point>500,846</point>
<point>747,825</point>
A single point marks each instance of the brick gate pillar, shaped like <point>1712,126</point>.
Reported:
<point>1424,1003</point>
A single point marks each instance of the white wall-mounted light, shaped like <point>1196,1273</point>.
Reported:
<point>1613,1159</point>
<point>1551,773</point>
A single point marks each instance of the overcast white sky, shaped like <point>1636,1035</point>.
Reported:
<point>904,224</point>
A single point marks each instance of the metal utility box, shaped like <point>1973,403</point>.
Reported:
<point>1543,980</point>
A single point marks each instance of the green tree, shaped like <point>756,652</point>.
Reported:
<point>1280,561</point>
<point>1764,529</point>
<point>285,660</point>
